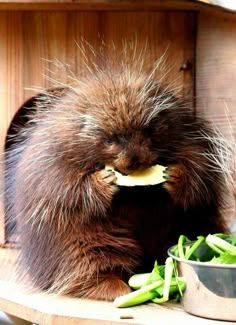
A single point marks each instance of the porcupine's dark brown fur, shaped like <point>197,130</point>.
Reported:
<point>82,235</point>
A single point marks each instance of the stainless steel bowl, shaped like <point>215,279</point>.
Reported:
<point>210,288</point>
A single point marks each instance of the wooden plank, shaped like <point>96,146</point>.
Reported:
<point>216,72</point>
<point>95,5</point>
<point>216,81</point>
<point>48,310</point>
<point>11,72</point>
<point>40,308</point>
<point>3,114</point>
<point>125,5</point>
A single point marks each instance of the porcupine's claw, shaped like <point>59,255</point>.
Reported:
<point>108,176</point>
<point>174,178</point>
<point>167,176</point>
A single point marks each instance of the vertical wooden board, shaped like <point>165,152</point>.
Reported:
<point>15,69</point>
<point>48,39</point>
<point>49,36</point>
<point>216,71</point>
<point>156,33</point>
<point>10,82</point>
<point>3,111</point>
<point>216,81</point>
<point>52,46</point>
<point>58,35</point>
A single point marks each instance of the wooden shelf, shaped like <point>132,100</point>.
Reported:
<point>45,310</point>
<point>25,308</point>
<point>127,5</point>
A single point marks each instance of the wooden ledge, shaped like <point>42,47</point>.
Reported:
<point>43,309</point>
<point>108,5</point>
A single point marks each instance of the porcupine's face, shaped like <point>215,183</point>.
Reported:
<point>121,124</point>
<point>128,151</point>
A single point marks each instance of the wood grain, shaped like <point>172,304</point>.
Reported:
<point>216,72</point>
<point>124,5</point>
<point>216,83</point>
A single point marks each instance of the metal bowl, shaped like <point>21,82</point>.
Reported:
<point>210,288</point>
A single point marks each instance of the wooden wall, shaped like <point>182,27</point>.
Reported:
<point>28,39</point>
<point>216,71</point>
<point>216,82</point>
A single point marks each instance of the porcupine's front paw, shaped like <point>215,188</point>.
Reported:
<point>98,190</point>
<point>104,187</point>
<point>108,176</point>
<point>175,182</point>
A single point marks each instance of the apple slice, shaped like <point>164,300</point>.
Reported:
<point>150,176</point>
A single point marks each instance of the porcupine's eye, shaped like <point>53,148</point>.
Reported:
<point>108,142</point>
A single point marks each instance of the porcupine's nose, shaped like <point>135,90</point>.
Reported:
<point>135,161</point>
<point>134,158</point>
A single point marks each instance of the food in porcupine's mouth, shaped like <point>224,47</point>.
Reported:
<point>150,176</point>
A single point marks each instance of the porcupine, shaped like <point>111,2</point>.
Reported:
<point>81,234</point>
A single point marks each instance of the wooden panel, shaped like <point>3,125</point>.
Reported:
<point>124,5</point>
<point>100,5</point>
<point>216,80</point>
<point>216,71</point>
